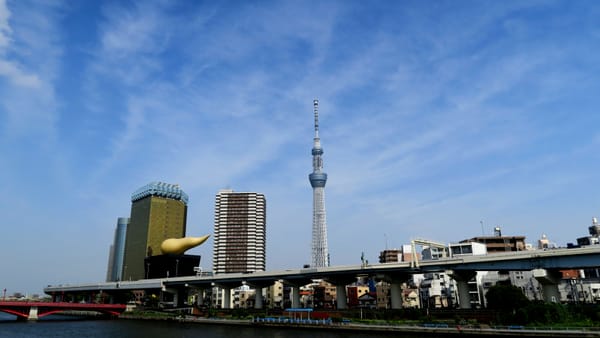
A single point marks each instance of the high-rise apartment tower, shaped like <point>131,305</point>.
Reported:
<point>158,212</point>
<point>320,254</point>
<point>239,239</point>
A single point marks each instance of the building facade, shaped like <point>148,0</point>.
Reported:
<point>239,242</point>
<point>158,212</point>
<point>390,256</point>
<point>277,294</point>
<point>117,251</point>
<point>499,243</point>
<point>404,254</point>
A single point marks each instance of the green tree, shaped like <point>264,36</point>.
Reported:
<point>506,298</point>
<point>547,313</point>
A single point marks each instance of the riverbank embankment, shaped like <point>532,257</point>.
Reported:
<point>420,330</point>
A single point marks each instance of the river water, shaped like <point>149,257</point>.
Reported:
<point>67,327</point>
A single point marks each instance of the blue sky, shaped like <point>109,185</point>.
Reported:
<point>435,116</point>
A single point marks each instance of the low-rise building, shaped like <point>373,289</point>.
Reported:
<point>499,243</point>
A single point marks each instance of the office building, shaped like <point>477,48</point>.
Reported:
<point>117,251</point>
<point>158,212</point>
<point>239,242</point>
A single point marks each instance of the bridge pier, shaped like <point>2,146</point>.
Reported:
<point>181,297</point>
<point>295,285</point>
<point>295,296</point>
<point>258,298</point>
<point>226,288</point>
<point>173,291</point>
<point>341,297</point>
<point>33,313</point>
<point>258,293</point>
<point>462,279</point>
<point>395,280</point>
<point>197,293</point>
<point>341,293</point>
<point>226,298</point>
<point>549,279</point>
<point>396,294</point>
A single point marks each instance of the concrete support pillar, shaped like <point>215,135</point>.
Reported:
<point>549,279</point>
<point>258,298</point>
<point>259,301</point>
<point>462,279</point>
<point>196,293</point>
<point>181,297</point>
<point>200,296</point>
<point>295,296</point>
<point>341,297</point>
<point>341,294</point>
<point>464,298</point>
<point>174,292</point>
<point>396,294</point>
<point>226,298</point>
<point>395,280</point>
<point>33,313</point>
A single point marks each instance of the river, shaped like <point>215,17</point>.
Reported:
<point>67,327</point>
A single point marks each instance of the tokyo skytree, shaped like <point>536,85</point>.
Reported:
<point>320,254</point>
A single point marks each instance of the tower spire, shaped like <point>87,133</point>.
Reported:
<point>320,254</point>
<point>316,111</point>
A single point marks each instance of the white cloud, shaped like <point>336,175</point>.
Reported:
<point>10,69</point>
<point>133,31</point>
<point>5,30</point>
<point>432,119</point>
<point>18,76</point>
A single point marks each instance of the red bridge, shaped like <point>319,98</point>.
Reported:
<point>35,310</point>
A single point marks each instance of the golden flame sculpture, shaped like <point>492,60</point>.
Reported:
<point>178,246</point>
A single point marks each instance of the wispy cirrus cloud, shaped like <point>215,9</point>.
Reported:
<point>5,29</point>
<point>10,68</point>
<point>433,116</point>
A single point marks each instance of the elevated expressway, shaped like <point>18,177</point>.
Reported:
<point>545,264</point>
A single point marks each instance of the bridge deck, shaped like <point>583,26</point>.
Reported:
<point>24,309</point>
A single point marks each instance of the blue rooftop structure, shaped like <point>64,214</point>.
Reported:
<point>160,189</point>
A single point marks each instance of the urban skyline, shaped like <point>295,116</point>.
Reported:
<point>439,115</point>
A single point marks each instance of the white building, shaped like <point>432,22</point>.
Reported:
<point>476,297</point>
<point>436,290</point>
<point>467,249</point>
